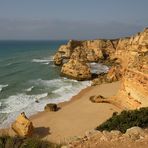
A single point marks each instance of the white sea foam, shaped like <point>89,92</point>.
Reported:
<point>45,60</point>
<point>14,105</point>
<point>21,101</point>
<point>49,83</point>
<point>3,86</point>
<point>98,68</point>
<point>29,89</point>
<point>61,90</point>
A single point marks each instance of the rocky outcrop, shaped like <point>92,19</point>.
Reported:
<point>58,60</point>
<point>130,63</point>
<point>94,49</point>
<point>132,54</point>
<point>23,126</point>
<point>135,83</point>
<point>51,107</point>
<point>114,74</point>
<point>99,99</point>
<point>76,69</point>
<point>91,50</point>
<point>134,137</point>
<point>133,92</point>
<point>85,51</point>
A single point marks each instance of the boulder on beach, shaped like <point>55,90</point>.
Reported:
<point>23,126</point>
<point>98,99</point>
<point>51,107</point>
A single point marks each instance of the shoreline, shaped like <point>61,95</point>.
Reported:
<point>76,116</point>
<point>70,121</point>
<point>65,103</point>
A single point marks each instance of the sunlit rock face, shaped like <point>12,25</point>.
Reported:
<point>76,69</point>
<point>131,54</point>
<point>134,89</point>
<point>89,50</point>
<point>75,54</point>
<point>23,126</point>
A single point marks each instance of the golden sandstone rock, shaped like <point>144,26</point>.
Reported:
<point>114,74</point>
<point>99,99</point>
<point>134,88</point>
<point>23,126</point>
<point>131,54</point>
<point>76,69</point>
<point>82,51</point>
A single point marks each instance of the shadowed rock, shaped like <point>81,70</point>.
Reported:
<point>51,107</point>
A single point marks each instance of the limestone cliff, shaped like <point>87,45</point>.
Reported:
<point>134,89</point>
<point>131,54</point>
<point>91,50</point>
<point>76,69</point>
<point>134,56</point>
<point>83,51</point>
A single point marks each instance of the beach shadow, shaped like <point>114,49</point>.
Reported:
<point>58,108</point>
<point>42,131</point>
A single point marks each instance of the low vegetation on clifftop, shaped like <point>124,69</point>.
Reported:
<point>126,120</point>
<point>20,142</point>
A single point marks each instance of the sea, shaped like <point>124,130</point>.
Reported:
<point>29,79</point>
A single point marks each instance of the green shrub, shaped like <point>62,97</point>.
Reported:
<point>125,120</point>
<point>18,142</point>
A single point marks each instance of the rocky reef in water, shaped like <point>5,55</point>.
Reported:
<point>128,60</point>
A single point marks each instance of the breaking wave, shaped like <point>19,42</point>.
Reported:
<point>45,60</point>
<point>3,86</point>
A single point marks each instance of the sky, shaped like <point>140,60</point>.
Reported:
<point>71,19</point>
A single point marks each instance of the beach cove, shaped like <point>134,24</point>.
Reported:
<point>117,70</point>
<point>76,116</point>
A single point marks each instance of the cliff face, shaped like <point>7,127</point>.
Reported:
<point>80,52</point>
<point>91,50</point>
<point>129,48</point>
<point>132,55</point>
<point>134,89</point>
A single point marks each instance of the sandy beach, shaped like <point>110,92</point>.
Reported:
<point>77,116</point>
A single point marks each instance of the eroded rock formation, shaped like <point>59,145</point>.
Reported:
<point>134,87</point>
<point>90,50</point>
<point>76,52</point>
<point>76,69</point>
<point>22,126</point>
<point>114,74</point>
<point>130,60</point>
<point>134,137</point>
<point>134,56</point>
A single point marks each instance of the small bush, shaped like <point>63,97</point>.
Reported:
<point>125,120</point>
<point>18,142</point>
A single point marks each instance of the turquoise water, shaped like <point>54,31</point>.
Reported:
<point>27,74</point>
<point>18,63</point>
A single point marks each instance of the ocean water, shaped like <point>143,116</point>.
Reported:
<point>27,74</point>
